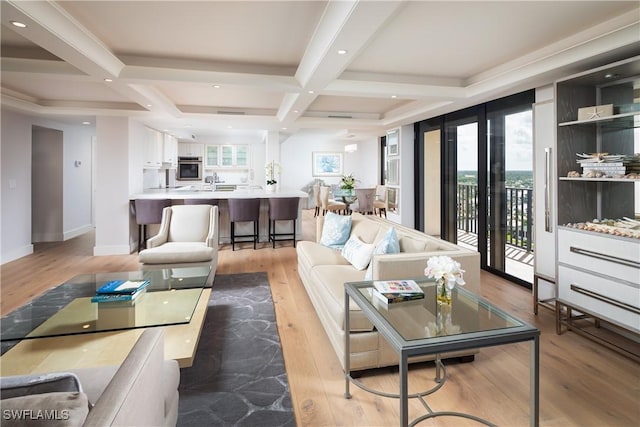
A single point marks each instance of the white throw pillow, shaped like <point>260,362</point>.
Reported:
<point>336,230</point>
<point>358,253</point>
<point>388,245</point>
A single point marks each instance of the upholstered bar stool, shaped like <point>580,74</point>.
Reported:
<point>212,202</point>
<point>282,209</point>
<point>244,210</point>
<point>148,211</point>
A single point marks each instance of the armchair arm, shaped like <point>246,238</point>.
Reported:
<point>212,237</point>
<point>163,233</point>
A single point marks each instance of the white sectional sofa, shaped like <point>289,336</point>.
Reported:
<point>324,271</point>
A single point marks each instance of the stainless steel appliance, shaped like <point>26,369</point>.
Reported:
<point>189,169</point>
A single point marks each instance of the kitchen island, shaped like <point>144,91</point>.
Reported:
<point>178,195</point>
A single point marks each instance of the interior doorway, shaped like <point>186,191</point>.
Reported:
<point>46,185</point>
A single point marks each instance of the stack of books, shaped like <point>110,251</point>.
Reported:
<point>609,164</point>
<point>394,291</point>
<point>120,291</point>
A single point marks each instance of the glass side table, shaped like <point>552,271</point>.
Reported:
<point>424,327</point>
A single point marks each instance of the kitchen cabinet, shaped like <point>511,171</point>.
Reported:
<point>227,156</point>
<point>598,245</point>
<point>153,151</point>
<point>211,156</point>
<point>190,149</point>
<point>170,153</point>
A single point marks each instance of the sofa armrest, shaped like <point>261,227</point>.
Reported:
<point>132,397</point>
<point>412,265</point>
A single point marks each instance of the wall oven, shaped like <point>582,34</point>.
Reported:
<point>189,169</point>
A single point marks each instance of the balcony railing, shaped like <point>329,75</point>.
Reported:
<point>519,221</point>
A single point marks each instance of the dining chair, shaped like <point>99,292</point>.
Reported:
<point>329,205</point>
<point>380,202</point>
<point>316,198</point>
<point>365,198</point>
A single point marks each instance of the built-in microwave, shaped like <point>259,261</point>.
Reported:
<point>189,169</point>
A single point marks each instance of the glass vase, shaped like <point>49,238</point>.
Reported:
<point>443,292</point>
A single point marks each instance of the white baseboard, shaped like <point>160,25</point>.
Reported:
<point>47,237</point>
<point>16,254</point>
<point>77,232</point>
<point>111,250</point>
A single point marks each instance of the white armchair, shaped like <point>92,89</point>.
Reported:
<point>188,236</point>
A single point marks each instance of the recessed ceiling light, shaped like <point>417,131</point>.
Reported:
<point>216,86</point>
<point>149,105</point>
<point>18,24</point>
<point>86,123</point>
<point>311,92</point>
<point>394,96</point>
<point>108,80</point>
<point>342,51</point>
<point>295,111</point>
<point>283,128</point>
<point>611,76</point>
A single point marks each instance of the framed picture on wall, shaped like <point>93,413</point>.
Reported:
<point>326,163</point>
<point>393,143</point>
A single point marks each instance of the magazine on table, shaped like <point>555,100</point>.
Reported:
<point>122,297</point>
<point>404,287</point>
<point>122,287</point>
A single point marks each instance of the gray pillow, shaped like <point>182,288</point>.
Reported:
<point>23,385</point>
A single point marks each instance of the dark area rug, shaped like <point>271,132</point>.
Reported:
<point>238,377</point>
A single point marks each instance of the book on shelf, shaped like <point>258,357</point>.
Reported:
<point>102,297</point>
<point>393,298</point>
<point>405,287</point>
<point>122,287</point>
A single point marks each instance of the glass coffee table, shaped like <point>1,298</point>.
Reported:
<point>175,299</point>
<point>425,327</point>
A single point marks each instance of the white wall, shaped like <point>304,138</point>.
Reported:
<point>296,153</point>
<point>113,168</point>
<point>15,200</point>
<point>15,189</point>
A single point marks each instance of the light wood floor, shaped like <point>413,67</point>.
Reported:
<point>581,383</point>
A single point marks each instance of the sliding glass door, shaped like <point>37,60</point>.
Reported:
<point>486,178</point>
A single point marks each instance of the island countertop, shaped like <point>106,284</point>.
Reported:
<point>177,194</point>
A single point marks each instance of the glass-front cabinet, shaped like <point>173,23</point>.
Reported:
<point>228,156</point>
<point>598,194</point>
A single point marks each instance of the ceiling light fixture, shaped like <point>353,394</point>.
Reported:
<point>342,51</point>
<point>18,24</point>
<point>394,96</point>
<point>86,123</point>
<point>216,86</point>
<point>311,92</point>
<point>350,148</point>
<point>108,80</point>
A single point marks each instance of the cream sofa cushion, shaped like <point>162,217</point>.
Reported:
<point>189,223</point>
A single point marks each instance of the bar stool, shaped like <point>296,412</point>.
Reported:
<point>148,211</point>
<point>212,202</point>
<point>282,209</point>
<point>244,210</point>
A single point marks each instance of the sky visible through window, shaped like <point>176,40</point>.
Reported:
<point>519,140</point>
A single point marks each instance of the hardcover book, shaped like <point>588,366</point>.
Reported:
<point>392,298</point>
<point>117,297</point>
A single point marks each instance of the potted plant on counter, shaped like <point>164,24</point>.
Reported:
<point>272,172</point>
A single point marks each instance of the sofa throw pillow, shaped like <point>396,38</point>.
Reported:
<point>389,244</point>
<point>21,385</point>
<point>358,253</point>
<point>336,230</point>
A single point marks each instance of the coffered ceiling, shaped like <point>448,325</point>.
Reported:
<point>348,68</point>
